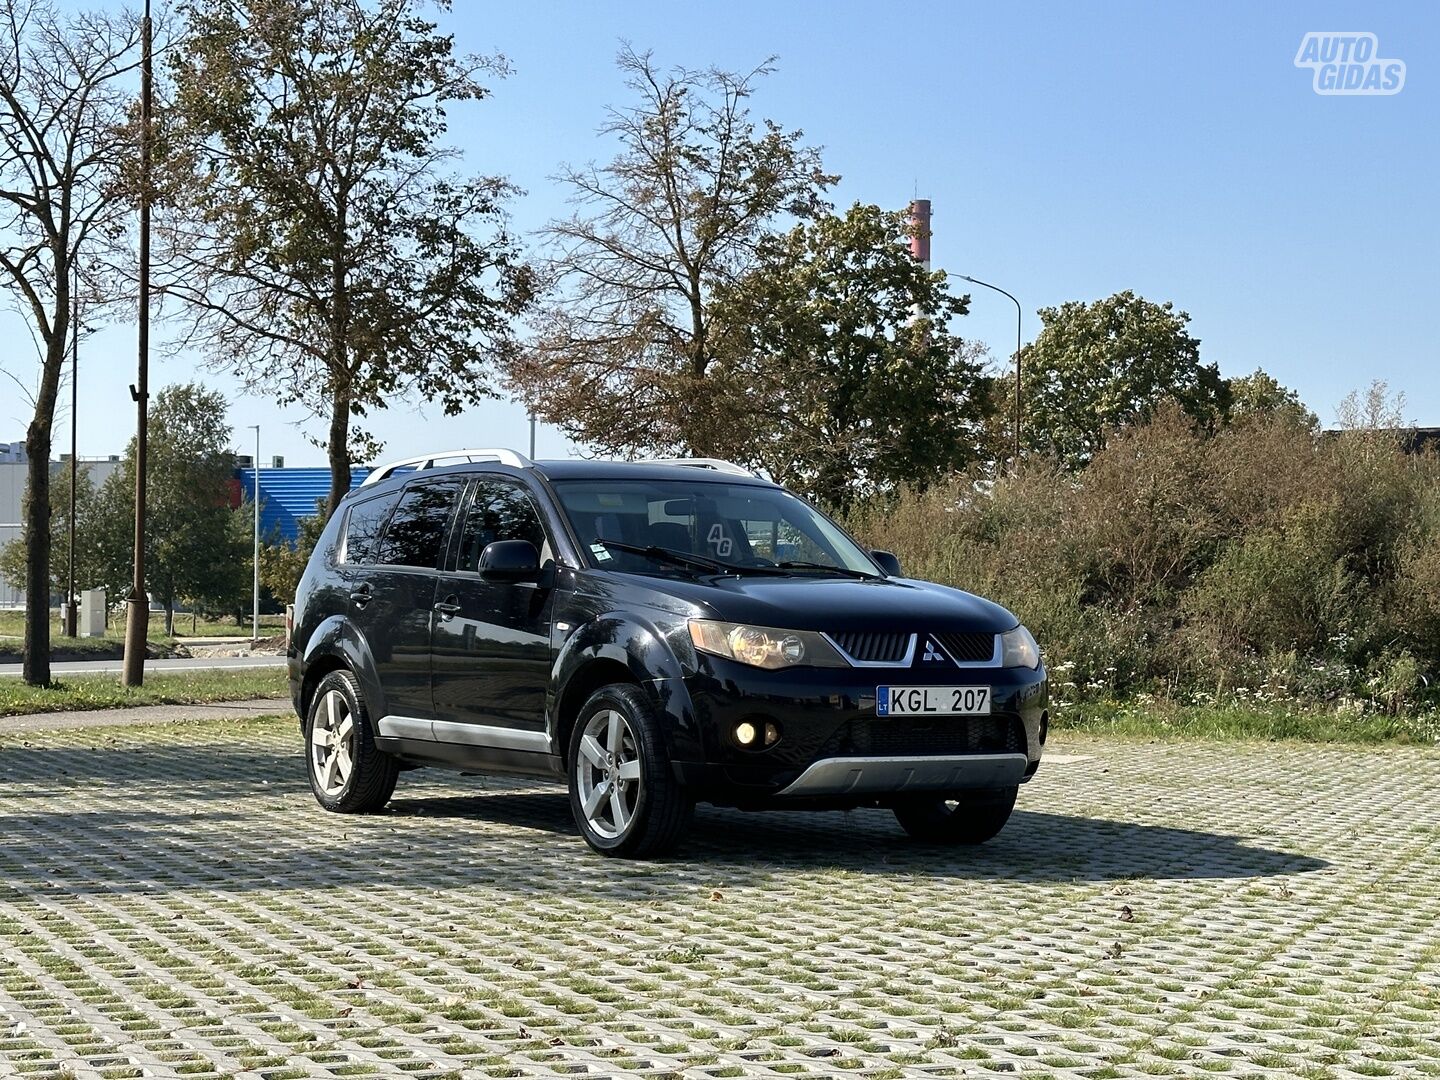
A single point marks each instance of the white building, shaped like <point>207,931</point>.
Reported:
<point>12,501</point>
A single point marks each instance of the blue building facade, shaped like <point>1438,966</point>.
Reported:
<point>288,495</point>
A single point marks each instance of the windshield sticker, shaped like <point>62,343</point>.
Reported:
<point>717,539</point>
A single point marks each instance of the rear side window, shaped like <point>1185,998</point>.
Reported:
<point>499,511</point>
<point>364,525</point>
<point>418,527</point>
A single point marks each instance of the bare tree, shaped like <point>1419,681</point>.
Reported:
<point>623,347</point>
<point>64,135</point>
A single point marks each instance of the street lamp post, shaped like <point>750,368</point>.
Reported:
<point>137,605</point>
<point>1019,317</point>
<point>72,618</point>
<point>255,606</point>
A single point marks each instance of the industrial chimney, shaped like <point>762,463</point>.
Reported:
<point>920,231</point>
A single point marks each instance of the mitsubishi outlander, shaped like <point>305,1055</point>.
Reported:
<point>656,634</point>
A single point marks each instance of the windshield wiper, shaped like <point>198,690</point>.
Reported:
<point>845,570</point>
<point>683,558</point>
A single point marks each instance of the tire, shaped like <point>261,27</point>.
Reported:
<point>961,817</point>
<point>618,766</point>
<point>347,774</point>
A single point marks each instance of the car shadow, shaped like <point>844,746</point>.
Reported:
<point>122,819</point>
<point>1035,845</point>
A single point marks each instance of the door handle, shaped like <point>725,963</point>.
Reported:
<point>447,609</point>
<point>362,596</point>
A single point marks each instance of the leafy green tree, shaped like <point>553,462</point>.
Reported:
<point>1108,364</point>
<point>840,373</point>
<point>312,230</point>
<point>624,350</point>
<point>64,101</point>
<point>1260,394</point>
<point>283,562</point>
<point>198,549</point>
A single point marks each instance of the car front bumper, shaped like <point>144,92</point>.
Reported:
<point>832,746</point>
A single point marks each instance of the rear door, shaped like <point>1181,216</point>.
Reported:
<point>491,647</point>
<point>395,567</point>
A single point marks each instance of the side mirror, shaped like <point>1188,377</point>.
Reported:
<point>889,562</point>
<point>510,560</point>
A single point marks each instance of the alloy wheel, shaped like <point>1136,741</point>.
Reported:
<point>332,743</point>
<point>607,773</point>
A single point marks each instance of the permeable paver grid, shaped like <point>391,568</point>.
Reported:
<point>173,903</point>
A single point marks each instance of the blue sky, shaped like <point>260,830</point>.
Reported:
<point>1070,151</point>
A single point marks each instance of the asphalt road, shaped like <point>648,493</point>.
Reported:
<point>211,663</point>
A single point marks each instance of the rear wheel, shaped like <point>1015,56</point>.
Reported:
<point>961,817</point>
<point>347,773</point>
<point>623,793</point>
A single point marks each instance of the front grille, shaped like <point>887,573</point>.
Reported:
<point>968,648</point>
<point>940,736</point>
<point>873,648</point>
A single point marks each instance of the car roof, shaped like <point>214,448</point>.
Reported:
<point>567,469</point>
<point>640,470</point>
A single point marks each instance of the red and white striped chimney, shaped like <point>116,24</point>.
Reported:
<point>920,231</point>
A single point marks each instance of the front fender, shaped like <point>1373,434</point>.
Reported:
<point>337,638</point>
<point>649,652</point>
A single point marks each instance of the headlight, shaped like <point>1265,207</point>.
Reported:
<point>762,646</point>
<point>1018,649</point>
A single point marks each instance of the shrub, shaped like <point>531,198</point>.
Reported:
<point>1263,560</point>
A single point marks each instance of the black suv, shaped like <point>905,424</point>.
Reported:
<point>655,633</point>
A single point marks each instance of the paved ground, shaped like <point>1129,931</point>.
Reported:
<point>173,903</point>
<point>199,663</point>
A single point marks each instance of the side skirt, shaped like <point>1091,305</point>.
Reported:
<point>472,759</point>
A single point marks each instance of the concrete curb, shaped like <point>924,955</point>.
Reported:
<point>143,714</point>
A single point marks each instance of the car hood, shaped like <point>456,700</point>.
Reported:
<point>806,602</point>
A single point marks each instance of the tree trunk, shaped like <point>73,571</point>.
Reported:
<point>36,667</point>
<point>338,450</point>
<point>169,617</point>
<point>338,447</point>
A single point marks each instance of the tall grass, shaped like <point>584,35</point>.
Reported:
<point>1263,564</point>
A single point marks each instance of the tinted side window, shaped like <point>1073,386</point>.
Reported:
<point>499,511</point>
<point>364,524</point>
<point>416,531</point>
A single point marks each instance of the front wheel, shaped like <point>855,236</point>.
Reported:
<point>962,817</point>
<point>623,793</point>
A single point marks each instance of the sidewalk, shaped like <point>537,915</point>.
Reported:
<point>144,714</point>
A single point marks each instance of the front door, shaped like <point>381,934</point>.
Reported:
<point>490,646</point>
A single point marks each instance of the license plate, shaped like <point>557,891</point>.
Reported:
<point>932,701</point>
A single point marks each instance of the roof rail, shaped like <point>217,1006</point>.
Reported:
<point>717,464</point>
<point>447,457</point>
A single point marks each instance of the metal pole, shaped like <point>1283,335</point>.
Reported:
<point>137,605</point>
<point>532,437</point>
<point>1019,320</point>
<point>71,616</point>
<point>255,609</point>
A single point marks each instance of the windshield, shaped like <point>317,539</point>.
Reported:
<point>737,525</point>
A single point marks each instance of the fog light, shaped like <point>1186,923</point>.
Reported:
<point>772,734</point>
<point>745,733</point>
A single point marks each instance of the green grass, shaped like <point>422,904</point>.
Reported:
<point>1261,723</point>
<point>12,636</point>
<point>12,624</point>
<point>160,688</point>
